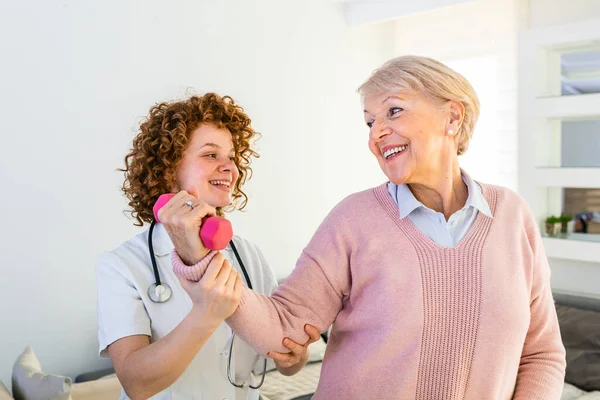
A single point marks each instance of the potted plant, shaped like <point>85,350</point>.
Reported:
<point>566,224</point>
<point>553,225</point>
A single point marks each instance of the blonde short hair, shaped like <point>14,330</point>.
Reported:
<point>432,79</point>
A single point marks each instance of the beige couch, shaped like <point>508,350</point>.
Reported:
<point>4,393</point>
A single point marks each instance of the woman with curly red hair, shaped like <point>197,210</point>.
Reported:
<point>201,150</point>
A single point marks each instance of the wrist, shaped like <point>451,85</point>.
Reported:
<point>202,321</point>
<point>192,259</point>
<point>193,272</point>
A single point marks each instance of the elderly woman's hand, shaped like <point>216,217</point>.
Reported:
<point>292,362</point>
<point>182,218</point>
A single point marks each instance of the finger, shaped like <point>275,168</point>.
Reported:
<point>284,358</point>
<point>177,202</point>
<point>177,207</point>
<point>214,267</point>
<point>194,192</point>
<point>183,203</point>
<point>293,346</point>
<point>313,333</point>
<point>224,273</point>
<point>230,284</point>
<point>168,209</point>
<point>201,210</point>
<point>239,284</point>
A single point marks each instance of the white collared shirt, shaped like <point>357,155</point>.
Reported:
<point>433,224</point>
<point>124,309</point>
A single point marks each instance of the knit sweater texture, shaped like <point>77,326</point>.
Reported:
<point>415,320</point>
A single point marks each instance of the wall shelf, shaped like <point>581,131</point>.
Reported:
<point>542,109</point>
<point>568,107</point>
<point>568,177</point>
<point>588,251</point>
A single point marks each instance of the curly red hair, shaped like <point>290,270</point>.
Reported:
<point>150,166</point>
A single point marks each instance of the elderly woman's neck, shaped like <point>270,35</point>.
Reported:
<point>443,192</point>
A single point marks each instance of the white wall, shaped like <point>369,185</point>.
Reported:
<point>74,81</point>
<point>567,275</point>
<point>477,39</point>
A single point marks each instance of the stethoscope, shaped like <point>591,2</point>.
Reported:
<point>160,292</point>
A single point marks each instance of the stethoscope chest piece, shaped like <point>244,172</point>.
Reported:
<point>159,293</point>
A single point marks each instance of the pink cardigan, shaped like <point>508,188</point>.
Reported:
<point>412,319</point>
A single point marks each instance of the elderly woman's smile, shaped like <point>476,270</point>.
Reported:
<point>392,152</point>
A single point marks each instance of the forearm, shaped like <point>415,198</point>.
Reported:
<point>542,368</point>
<point>157,366</point>
<point>541,377</point>
<point>306,297</point>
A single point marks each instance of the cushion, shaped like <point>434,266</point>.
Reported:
<point>580,331</point>
<point>571,392</point>
<point>107,387</point>
<point>30,383</point>
<point>4,393</point>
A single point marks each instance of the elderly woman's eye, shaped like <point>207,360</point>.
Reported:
<point>370,124</point>
<point>395,110</point>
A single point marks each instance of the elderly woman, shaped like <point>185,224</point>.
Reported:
<point>437,286</point>
<point>173,343</point>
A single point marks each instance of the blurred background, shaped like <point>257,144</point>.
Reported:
<point>77,77</point>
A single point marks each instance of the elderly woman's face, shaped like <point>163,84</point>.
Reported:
<point>207,169</point>
<point>407,134</point>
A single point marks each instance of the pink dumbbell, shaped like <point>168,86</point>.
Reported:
<point>215,233</point>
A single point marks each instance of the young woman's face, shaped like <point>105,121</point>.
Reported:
<point>207,169</point>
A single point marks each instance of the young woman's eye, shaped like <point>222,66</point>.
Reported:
<point>395,110</point>
<point>211,155</point>
<point>232,158</point>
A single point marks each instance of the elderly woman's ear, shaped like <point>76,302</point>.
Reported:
<point>456,112</point>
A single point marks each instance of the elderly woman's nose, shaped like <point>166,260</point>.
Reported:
<point>379,130</point>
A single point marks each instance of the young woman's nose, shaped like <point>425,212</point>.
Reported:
<point>227,166</point>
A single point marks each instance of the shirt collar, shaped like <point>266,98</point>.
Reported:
<point>407,202</point>
<point>476,198</point>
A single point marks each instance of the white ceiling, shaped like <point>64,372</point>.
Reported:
<point>370,11</point>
